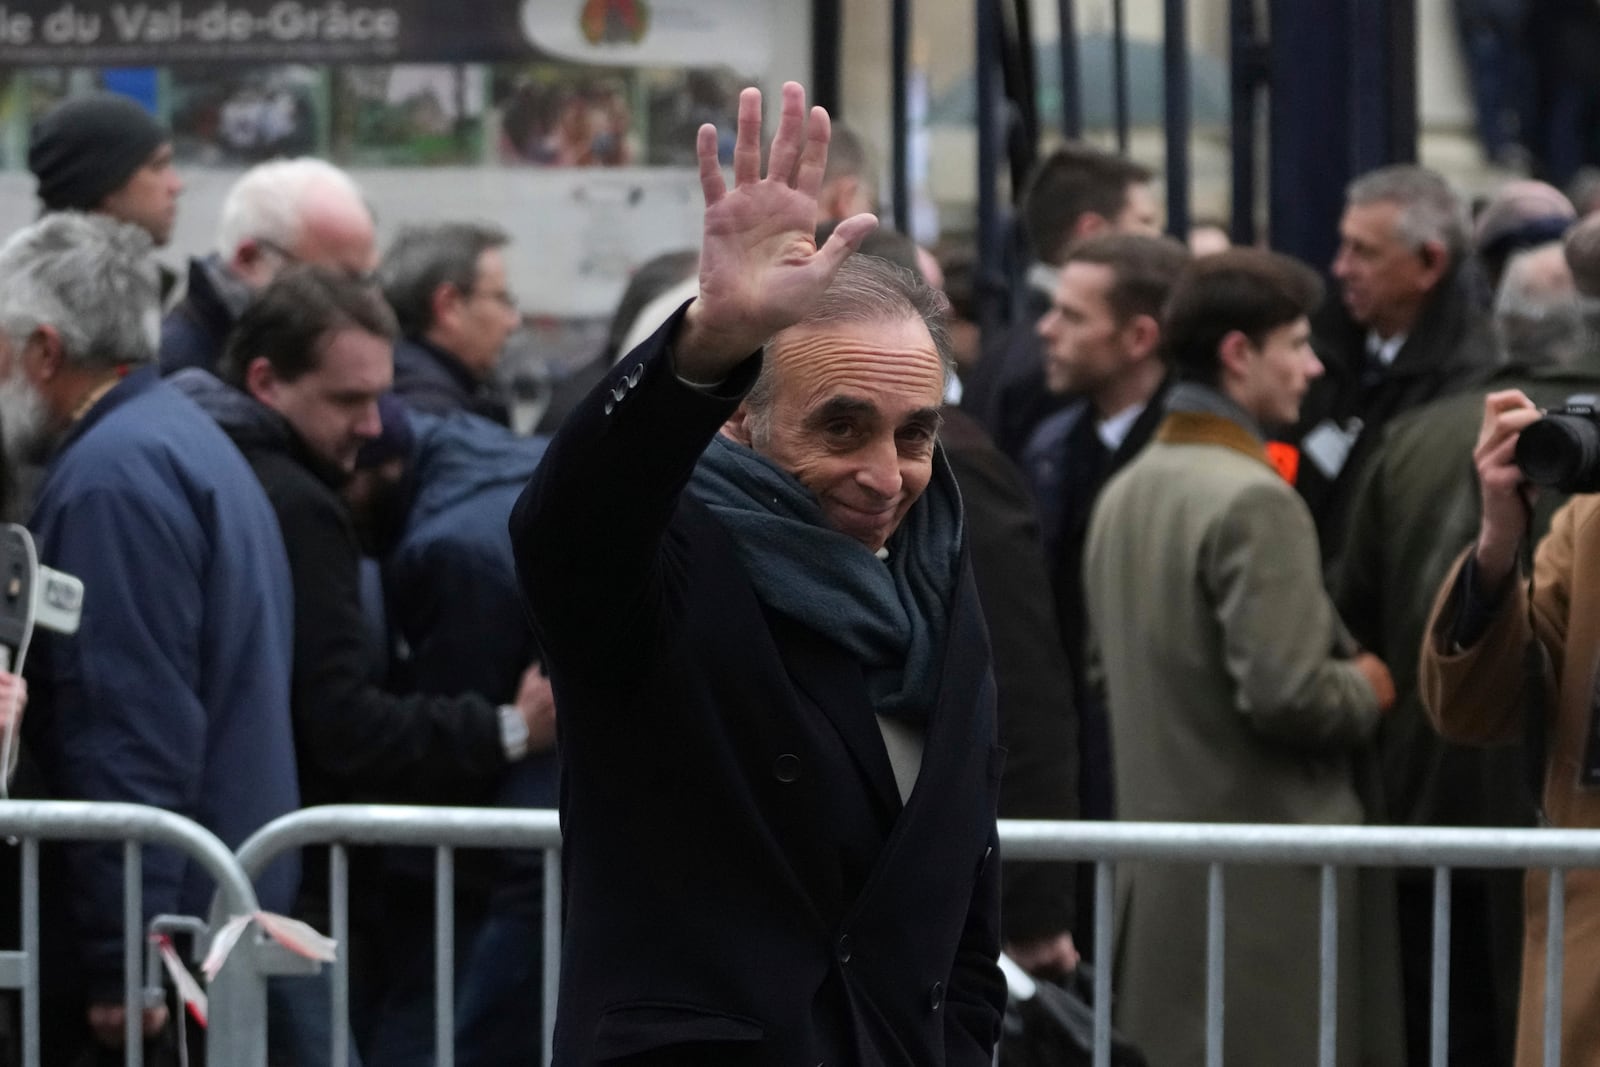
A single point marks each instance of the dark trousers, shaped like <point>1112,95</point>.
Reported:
<point>1485,964</point>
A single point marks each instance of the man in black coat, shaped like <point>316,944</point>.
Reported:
<point>1406,330</point>
<point>779,766</point>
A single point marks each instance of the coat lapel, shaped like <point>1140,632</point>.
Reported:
<point>832,679</point>
<point>965,685</point>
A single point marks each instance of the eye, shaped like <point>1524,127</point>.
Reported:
<point>839,429</point>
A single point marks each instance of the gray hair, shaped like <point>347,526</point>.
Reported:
<point>423,258</point>
<point>88,277</point>
<point>1430,210</point>
<point>268,201</point>
<point>867,289</point>
<point>1539,317</point>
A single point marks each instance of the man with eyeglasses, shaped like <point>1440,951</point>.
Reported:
<point>447,285</point>
<point>286,212</point>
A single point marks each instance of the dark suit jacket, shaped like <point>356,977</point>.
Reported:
<point>1038,717</point>
<point>1450,349</point>
<point>741,880</point>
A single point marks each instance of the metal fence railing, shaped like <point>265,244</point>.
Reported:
<point>237,1031</point>
<point>1328,847</point>
<point>444,830</point>
<point>237,1034</point>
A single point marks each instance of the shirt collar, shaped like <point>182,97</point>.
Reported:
<point>1114,430</point>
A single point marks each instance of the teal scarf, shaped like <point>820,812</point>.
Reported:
<point>892,614</point>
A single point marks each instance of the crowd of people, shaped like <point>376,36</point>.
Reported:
<point>820,584</point>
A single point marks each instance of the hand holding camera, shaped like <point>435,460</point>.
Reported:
<point>1501,479</point>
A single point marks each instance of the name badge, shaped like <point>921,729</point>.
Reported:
<point>1328,446</point>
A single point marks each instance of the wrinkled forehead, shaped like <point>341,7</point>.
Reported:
<point>891,357</point>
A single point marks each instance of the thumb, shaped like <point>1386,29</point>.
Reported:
<point>845,239</point>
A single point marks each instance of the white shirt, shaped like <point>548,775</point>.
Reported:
<point>1115,430</point>
<point>1384,350</point>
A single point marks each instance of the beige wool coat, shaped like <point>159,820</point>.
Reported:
<point>1476,696</point>
<point>1230,702</point>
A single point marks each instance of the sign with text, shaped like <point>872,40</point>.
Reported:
<point>615,32</point>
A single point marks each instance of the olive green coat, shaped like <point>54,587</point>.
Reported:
<point>1229,702</point>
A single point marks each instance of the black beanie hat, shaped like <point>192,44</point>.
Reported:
<point>86,148</point>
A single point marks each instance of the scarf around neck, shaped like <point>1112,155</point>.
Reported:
<point>891,614</point>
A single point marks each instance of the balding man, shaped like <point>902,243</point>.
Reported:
<point>289,211</point>
<point>1519,216</point>
<point>778,755</point>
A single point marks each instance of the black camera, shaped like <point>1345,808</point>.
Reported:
<point>1562,450</point>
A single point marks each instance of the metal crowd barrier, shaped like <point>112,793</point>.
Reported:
<point>1329,847</point>
<point>444,830</point>
<point>237,1034</point>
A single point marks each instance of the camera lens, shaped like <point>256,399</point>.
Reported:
<point>1561,452</point>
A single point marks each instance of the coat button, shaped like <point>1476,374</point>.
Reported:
<point>844,948</point>
<point>633,378</point>
<point>787,769</point>
<point>610,406</point>
<point>936,996</point>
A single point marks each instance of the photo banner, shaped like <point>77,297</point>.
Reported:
<point>608,32</point>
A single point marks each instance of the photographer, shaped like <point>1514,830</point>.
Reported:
<point>1475,687</point>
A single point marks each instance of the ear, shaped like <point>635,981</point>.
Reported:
<point>1234,353</point>
<point>1435,261</point>
<point>445,300</point>
<point>1088,224</point>
<point>260,380</point>
<point>43,355</point>
<point>1141,335</point>
<point>246,261</point>
<point>737,428</point>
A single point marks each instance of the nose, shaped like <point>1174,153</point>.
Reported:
<point>879,472</point>
<point>1341,263</point>
<point>1046,326</point>
<point>370,425</point>
<point>1314,366</point>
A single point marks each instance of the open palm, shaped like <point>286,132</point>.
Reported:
<point>760,268</point>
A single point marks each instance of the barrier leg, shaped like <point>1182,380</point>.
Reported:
<point>236,1030</point>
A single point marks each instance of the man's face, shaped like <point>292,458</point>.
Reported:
<point>854,417</point>
<point>482,317</point>
<point>1139,213</point>
<point>1277,374</point>
<point>24,416</point>
<point>334,406</point>
<point>1382,278</point>
<point>1083,339</point>
<point>149,198</point>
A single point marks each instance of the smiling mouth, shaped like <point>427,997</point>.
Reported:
<point>860,518</point>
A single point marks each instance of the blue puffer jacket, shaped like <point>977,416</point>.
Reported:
<point>451,581</point>
<point>174,692</point>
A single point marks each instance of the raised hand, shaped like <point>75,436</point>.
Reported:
<point>760,268</point>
